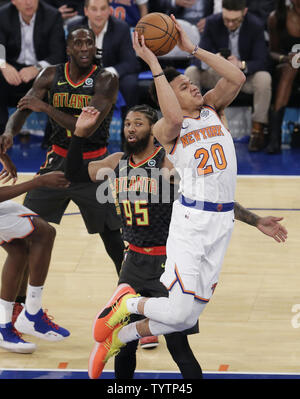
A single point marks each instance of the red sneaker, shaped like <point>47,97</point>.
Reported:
<point>101,327</point>
<point>18,307</point>
<point>149,342</point>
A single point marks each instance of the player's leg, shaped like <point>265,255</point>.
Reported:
<point>114,246</point>
<point>12,271</point>
<point>125,361</point>
<point>21,297</point>
<point>33,320</point>
<point>12,230</point>
<point>100,218</point>
<point>183,356</point>
<point>50,204</point>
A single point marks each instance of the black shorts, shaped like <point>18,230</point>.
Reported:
<point>51,203</point>
<point>142,272</point>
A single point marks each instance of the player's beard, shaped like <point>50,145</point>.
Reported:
<point>137,147</point>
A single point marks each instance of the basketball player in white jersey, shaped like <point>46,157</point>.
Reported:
<point>202,151</point>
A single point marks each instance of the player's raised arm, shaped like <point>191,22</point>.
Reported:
<point>75,169</point>
<point>232,77</point>
<point>170,125</point>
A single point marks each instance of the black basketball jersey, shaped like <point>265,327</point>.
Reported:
<point>70,97</point>
<point>145,198</point>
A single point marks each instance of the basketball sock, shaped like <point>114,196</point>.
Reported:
<point>132,304</point>
<point>128,333</point>
<point>34,299</point>
<point>6,310</point>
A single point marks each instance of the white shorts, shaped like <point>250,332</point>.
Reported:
<point>15,221</point>
<point>196,247</point>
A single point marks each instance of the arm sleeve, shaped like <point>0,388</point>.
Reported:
<point>75,170</point>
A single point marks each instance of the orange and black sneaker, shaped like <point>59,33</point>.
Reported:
<point>102,351</point>
<point>107,318</point>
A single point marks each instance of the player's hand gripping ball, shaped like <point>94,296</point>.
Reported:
<point>159,31</point>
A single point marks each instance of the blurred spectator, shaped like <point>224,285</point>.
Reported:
<point>129,10</point>
<point>193,11</point>
<point>261,8</point>
<point>239,37</point>
<point>33,36</point>
<point>113,41</point>
<point>284,31</point>
<point>68,9</point>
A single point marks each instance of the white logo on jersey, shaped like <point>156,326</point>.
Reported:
<point>151,163</point>
<point>204,113</point>
<point>89,82</point>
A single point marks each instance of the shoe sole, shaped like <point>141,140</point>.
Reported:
<point>91,363</point>
<point>149,346</point>
<point>22,350</point>
<point>116,296</point>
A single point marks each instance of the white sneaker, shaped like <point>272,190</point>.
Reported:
<point>11,340</point>
<point>40,325</point>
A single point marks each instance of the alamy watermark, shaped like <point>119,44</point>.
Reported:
<point>2,56</point>
<point>296,57</point>
<point>152,184</point>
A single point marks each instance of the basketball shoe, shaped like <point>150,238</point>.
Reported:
<point>17,309</point>
<point>103,351</point>
<point>11,340</point>
<point>149,342</point>
<point>40,325</point>
<point>102,326</point>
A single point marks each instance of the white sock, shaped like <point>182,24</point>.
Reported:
<point>6,310</point>
<point>33,299</point>
<point>132,304</point>
<point>128,333</point>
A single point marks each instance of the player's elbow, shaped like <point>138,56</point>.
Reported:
<point>241,78</point>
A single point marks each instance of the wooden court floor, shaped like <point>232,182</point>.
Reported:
<point>250,324</point>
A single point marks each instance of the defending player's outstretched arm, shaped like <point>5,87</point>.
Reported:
<point>268,225</point>
<point>75,169</point>
<point>52,179</point>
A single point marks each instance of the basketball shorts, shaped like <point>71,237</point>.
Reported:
<point>142,272</point>
<point>15,221</point>
<point>196,247</point>
<point>51,203</point>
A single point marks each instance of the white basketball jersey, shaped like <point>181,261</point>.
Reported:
<point>204,156</point>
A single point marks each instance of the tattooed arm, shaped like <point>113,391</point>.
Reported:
<point>268,225</point>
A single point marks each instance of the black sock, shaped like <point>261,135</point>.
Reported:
<point>20,299</point>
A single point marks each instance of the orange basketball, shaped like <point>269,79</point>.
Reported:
<point>159,32</point>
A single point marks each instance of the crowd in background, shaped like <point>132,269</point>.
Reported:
<point>260,37</point>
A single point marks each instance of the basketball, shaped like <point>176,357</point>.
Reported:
<point>159,32</point>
